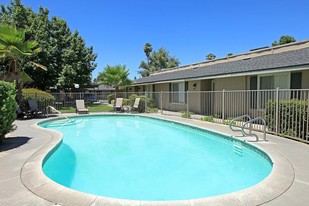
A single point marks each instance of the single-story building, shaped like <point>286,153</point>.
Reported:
<point>284,66</point>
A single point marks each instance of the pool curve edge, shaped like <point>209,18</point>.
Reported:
<point>32,176</point>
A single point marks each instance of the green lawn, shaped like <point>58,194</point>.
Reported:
<point>92,108</point>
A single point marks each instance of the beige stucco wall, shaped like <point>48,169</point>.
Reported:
<point>199,102</point>
<point>194,98</point>
<point>162,87</point>
<point>305,79</point>
<point>232,83</point>
<point>157,97</point>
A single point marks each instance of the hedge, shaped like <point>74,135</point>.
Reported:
<point>292,117</point>
<point>8,108</point>
<point>43,98</point>
<point>141,106</point>
<point>110,97</point>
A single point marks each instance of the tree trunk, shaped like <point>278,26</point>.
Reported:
<point>12,75</point>
<point>116,92</point>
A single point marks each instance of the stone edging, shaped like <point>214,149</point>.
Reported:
<point>33,178</point>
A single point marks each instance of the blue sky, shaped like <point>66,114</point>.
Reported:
<point>189,30</point>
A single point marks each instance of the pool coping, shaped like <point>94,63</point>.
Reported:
<point>32,176</point>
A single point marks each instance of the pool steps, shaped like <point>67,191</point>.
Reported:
<point>238,149</point>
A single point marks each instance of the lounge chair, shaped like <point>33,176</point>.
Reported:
<point>118,106</point>
<point>80,107</point>
<point>21,114</point>
<point>34,108</point>
<point>135,105</point>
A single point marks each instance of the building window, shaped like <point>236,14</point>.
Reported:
<point>150,90</point>
<point>295,84</point>
<point>296,78</point>
<point>267,82</point>
<point>178,92</point>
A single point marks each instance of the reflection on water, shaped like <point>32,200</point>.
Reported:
<point>119,124</point>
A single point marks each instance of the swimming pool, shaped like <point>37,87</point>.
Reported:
<point>141,158</point>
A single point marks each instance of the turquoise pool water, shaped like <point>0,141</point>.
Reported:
<point>141,158</point>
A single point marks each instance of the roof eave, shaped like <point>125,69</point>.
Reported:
<point>237,74</point>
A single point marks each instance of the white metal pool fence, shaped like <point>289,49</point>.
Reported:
<point>284,110</point>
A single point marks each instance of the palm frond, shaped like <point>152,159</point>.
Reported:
<point>29,45</point>
<point>37,50</point>
<point>11,36</point>
<point>25,77</point>
<point>39,65</point>
<point>15,51</point>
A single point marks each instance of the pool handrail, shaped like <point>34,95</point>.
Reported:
<point>251,134</point>
<point>54,109</point>
<point>240,130</point>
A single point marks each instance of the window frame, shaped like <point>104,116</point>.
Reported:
<point>178,96</point>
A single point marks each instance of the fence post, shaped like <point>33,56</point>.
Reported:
<point>187,102</point>
<point>277,109</point>
<point>223,105</point>
<point>161,99</point>
<point>145,101</point>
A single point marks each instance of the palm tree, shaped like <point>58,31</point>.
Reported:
<point>210,56</point>
<point>115,76</point>
<point>14,50</point>
<point>148,50</point>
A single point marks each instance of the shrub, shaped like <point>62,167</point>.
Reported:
<point>186,114</point>
<point>218,116</point>
<point>8,108</point>
<point>43,98</point>
<point>292,117</point>
<point>40,95</point>
<point>152,110</point>
<point>208,118</point>
<point>228,121</point>
<point>141,106</point>
<point>110,97</point>
<point>125,102</point>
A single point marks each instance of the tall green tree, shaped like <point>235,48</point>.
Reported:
<point>210,56</point>
<point>78,62</point>
<point>156,61</point>
<point>41,29</point>
<point>55,37</point>
<point>15,50</point>
<point>285,39</point>
<point>115,76</point>
<point>16,14</point>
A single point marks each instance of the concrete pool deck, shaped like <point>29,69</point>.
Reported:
<point>20,157</point>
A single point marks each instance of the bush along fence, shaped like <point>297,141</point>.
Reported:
<point>291,118</point>
<point>285,111</point>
